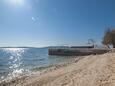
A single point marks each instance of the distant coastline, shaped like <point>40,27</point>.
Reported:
<point>21,47</point>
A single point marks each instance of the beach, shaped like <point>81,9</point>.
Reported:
<point>57,42</point>
<point>92,70</point>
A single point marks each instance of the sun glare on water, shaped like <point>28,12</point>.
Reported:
<point>15,49</point>
<point>15,61</point>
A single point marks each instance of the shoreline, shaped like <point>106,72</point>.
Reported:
<point>92,70</point>
<point>43,69</point>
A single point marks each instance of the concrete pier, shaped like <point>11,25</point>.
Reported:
<point>81,51</point>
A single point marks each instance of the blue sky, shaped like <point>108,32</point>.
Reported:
<point>41,23</point>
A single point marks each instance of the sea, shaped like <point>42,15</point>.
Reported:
<point>18,61</point>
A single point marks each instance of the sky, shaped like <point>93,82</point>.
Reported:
<point>41,23</point>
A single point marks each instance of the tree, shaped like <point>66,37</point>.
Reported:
<point>113,38</point>
<point>109,37</point>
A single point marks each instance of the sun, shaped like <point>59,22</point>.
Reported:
<point>17,2</point>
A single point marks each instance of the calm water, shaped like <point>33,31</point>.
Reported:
<point>17,61</point>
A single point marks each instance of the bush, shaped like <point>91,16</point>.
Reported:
<point>109,37</point>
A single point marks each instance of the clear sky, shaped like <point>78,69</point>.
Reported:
<point>54,22</point>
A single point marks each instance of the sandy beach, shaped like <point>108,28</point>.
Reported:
<point>92,70</point>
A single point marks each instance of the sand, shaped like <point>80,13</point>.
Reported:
<point>93,70</point>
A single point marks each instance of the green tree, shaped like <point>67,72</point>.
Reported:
<point>109,37</point>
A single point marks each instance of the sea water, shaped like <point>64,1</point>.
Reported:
<point>17,61</point>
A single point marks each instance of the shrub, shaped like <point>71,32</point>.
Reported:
<point>109,37</point>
